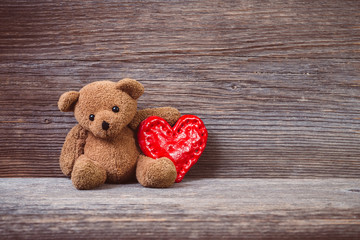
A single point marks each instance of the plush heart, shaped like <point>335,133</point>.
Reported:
<point>183,144</point>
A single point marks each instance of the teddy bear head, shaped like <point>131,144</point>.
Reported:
<point>104,108</point>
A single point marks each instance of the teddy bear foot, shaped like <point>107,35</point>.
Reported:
<point>156,173</point>
<point>86,174</point>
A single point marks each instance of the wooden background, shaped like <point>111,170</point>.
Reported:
<point>277,83</point>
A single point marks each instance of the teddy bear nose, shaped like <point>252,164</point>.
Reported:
<point>105,125</point>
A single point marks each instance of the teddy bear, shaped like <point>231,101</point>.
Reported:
<point>102,147</point>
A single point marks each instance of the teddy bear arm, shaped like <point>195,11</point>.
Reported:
<point>170,114</point>
<point>73,147</point>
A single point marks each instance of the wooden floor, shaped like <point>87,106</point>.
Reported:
<point>43,208</point>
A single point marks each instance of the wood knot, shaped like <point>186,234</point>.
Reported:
<point>47,121</point>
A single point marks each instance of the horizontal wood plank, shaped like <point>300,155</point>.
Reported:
<point>198,208</point>
<point>276,83</point>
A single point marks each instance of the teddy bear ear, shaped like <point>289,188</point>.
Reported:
<point>68,100</point>
<point>131,87</point>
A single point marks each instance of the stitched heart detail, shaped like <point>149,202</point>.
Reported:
<point>183,144</point>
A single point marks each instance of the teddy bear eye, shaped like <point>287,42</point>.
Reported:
<point>115,109</point>
<point>92,117</point>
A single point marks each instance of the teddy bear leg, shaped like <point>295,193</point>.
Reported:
<point>86,174</point>
<point>157,173</point>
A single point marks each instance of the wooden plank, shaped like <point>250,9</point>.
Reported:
<point>277,84</point>
<point>195,208</point>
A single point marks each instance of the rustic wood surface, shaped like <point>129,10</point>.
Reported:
<point>277,83</point>
<point>50,208</point>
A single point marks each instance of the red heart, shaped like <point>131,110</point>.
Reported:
<point>183,144</point>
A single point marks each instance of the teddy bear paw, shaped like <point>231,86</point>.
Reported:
<point>87,175</point>
<point>161,174</point>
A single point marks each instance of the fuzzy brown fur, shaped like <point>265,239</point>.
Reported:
<point>104,149</point>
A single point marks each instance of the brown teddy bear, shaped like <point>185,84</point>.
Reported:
<point>102,147</point>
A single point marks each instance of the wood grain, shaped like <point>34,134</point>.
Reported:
<point>52,208</point>
<point>277,83</point>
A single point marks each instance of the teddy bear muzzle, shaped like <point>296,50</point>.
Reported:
<point>102,129</point>
<point>105,124</point>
